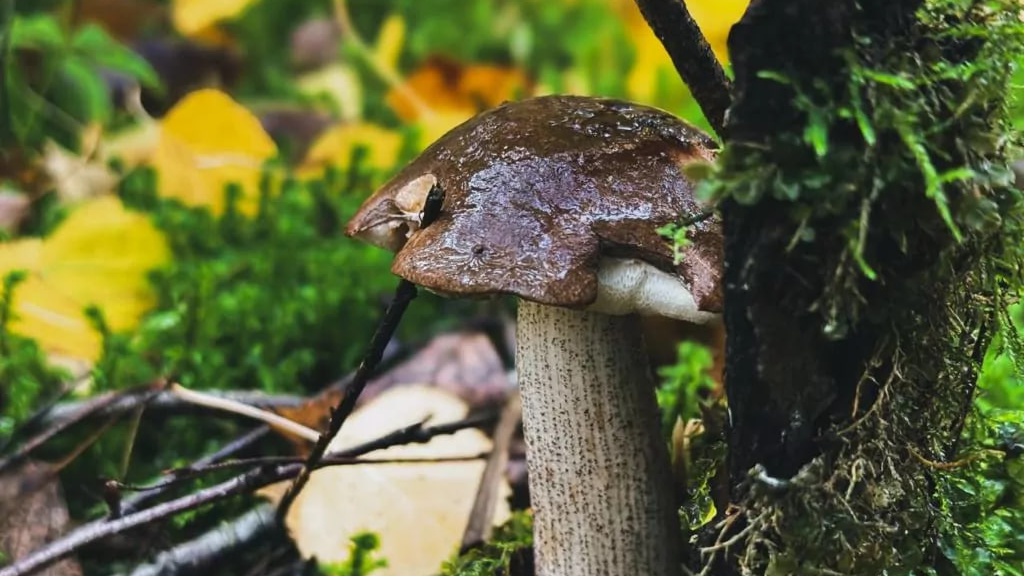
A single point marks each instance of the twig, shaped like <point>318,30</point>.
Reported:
<point>219,403</point>
<point>481,517</point>
<point>165,401</point>
<point>692,56</point>
<point>94,531</point>
<point>247,482</point>
<point>89,408</point>
<point>404,294</point>
<point>134,503</point>
<point>185,474</point>
<point>194,556</point>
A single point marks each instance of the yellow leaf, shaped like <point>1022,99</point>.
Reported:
<point>98,256</point>
<point>419,510</point>
<point>206,142</point>
<point>389,41</point>
<point>191,17</point>
<point>335,146</point>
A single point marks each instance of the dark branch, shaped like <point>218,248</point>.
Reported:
<point>692,56</point>
<point>404,294</point>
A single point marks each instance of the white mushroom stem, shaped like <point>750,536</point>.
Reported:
<point>599,475</point>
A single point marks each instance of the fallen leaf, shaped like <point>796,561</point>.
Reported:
<point>419,511</point>
<point>443,93</point>
<point>206,142</point>
<point>33,513</point>
<point>194,17</point>
<point>462,363</point>
<point>335,146</point>
<point>98,256</point>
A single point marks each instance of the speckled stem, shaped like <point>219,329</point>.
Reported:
<point>599,477</point>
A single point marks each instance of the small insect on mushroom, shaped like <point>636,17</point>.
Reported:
<point>557,200</point>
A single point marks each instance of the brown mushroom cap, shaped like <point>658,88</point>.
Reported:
<point>537,192</point>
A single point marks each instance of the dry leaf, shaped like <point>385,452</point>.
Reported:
<point>98,256</point>
<point>463,363</point>
<point>418,510</point>
<point>335,146</point>
<point>195,17</point>
<point>33,513</point>
<point>206,142</point>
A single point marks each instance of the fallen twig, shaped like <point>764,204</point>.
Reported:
<point>85,411</point>
<point>194,556</point>
<point>692,56</point>
<point>404,294</point>
<point>219,403</point>
<point>241,484</point>
<point>481,517</point>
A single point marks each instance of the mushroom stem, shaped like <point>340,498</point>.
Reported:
<point>600,484</point>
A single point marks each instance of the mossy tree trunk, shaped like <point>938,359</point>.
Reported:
<point>866,236</point>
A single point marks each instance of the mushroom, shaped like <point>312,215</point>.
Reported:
<point>556,200</point>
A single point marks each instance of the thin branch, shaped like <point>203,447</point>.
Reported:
<point>692,56</point>
<point>243,483</point>
<point>404,294</point>
<point>134,503</point>
<point>94,531</point>
<point>88,409</point>
<point>227,405</point>
<point>193,556</point>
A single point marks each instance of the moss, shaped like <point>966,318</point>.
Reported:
<point>508,552</point>
<point>900,200</point>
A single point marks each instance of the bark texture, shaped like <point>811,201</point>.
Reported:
<point>784,373</point>
<point>600,484</point>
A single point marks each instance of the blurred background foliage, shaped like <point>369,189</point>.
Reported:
<point>174,176</point>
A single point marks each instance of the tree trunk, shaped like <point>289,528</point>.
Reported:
<point>852,354</point>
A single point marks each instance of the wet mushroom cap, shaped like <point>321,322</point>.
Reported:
<point>539,193</point>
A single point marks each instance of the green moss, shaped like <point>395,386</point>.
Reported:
<point>512,539</point>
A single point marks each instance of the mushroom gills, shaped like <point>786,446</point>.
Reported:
<point>632,286</point>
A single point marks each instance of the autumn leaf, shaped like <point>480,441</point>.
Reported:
<point>443,93</point>
<point>418,510</point>
<point>98,256</point>
<point>194,17</point>
<point>335,147</point>
<point>206,142</point>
